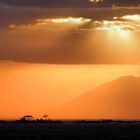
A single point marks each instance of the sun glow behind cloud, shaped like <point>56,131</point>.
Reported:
<point>115,26</point>
<point>118,35</point>
<point>69,20</point>
<point>120,30</point>
<point>52,24</point>
<point>132,17</point>
<point>124,23</point>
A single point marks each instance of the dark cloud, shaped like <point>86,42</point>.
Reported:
<point>49,3</point>
<point>73,49</point>
<point>27,15</point>
<point>68,3</point>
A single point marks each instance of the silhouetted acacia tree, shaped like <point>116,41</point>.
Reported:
<point>45,117</point>
<point>27,117</point>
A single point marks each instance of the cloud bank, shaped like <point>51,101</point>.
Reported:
<point>69,35</point>
<point>70,3</point>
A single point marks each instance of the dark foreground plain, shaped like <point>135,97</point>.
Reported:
<point>70,131</point>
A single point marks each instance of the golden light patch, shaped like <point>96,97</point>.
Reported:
<point>70,20</point>
<point>96,1</point>
<point>52,24</point>
<point>115,26</point>
<point>132,17</point>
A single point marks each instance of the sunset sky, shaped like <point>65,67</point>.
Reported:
<point>53,51</point>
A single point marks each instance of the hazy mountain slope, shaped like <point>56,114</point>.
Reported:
<point>119,99</point>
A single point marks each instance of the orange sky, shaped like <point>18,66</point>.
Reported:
<point>50,57</point>
<point>37,88</point>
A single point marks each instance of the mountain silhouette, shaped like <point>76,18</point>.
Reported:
<point>119,99</point>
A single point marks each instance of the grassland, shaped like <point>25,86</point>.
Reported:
<point>70,131</point>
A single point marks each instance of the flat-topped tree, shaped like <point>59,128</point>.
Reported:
<point>45,117</point>
<point>27,117</point>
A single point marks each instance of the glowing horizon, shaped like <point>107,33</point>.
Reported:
<point>43,87</point>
